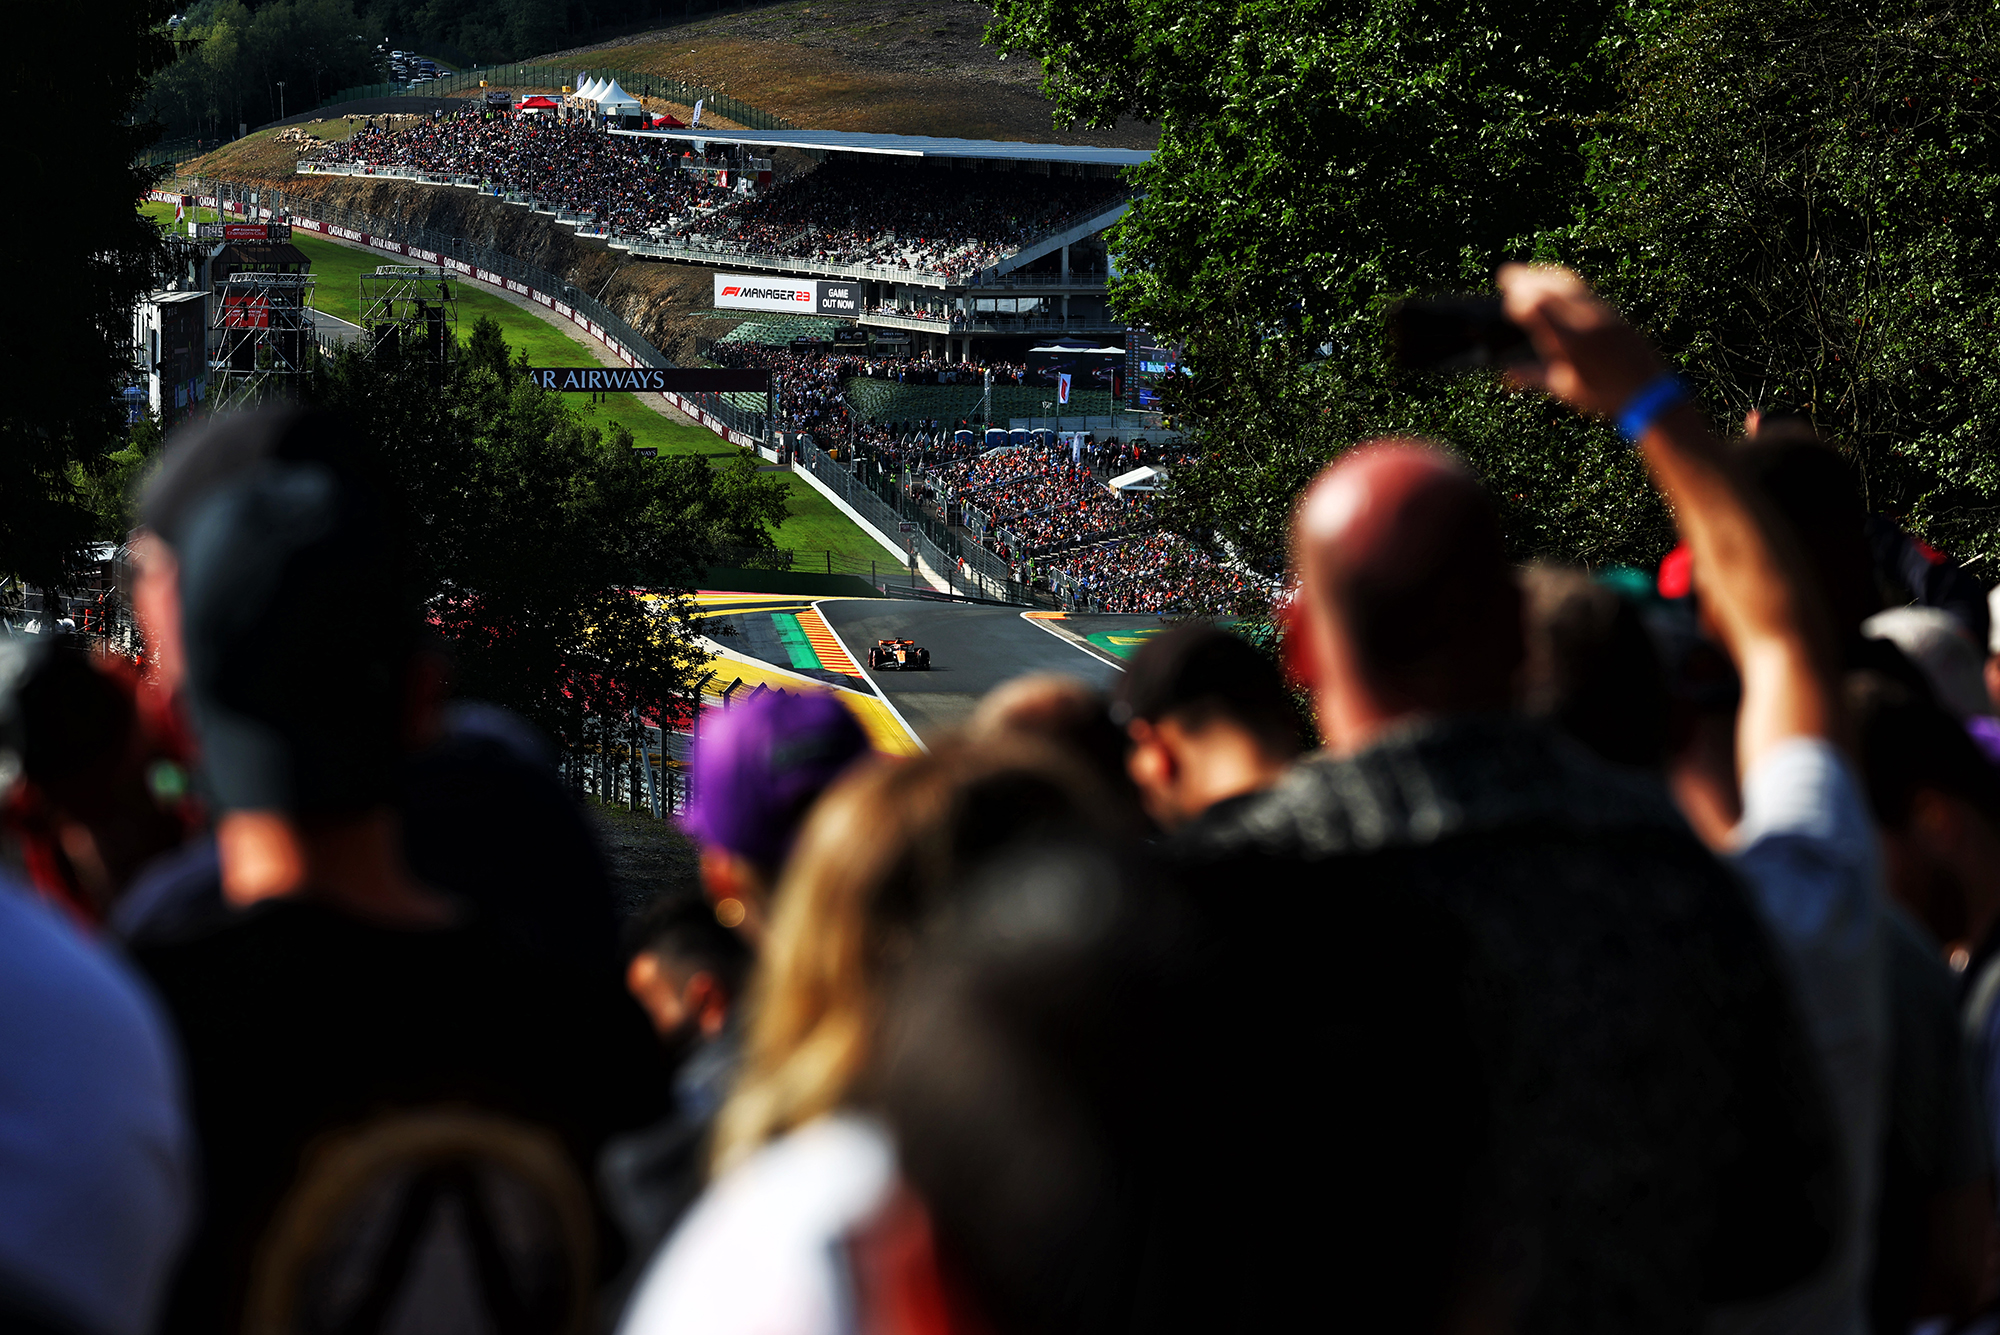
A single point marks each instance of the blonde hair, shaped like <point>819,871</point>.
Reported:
<point>877,851</point>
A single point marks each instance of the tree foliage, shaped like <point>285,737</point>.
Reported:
<point>85,258</point>
<point>236,54</point>
<point>111,490</point>
<point>1317,160</point>
<point>1800,199</point>
<point>1795,196</point>
<point>516,29</point>
<point>240,49</point>
<point>529,527</point>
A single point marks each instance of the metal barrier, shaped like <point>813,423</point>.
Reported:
<point>938,547</point>
<point>172,152</point>
<point>626,761</point>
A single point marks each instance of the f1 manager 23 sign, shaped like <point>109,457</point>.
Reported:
<point>764,293</point>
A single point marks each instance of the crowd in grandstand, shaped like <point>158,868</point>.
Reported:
<point>627,186</point>
<point>865,213</point>
<point>808,379</point>
<point>1021,502</point>
<point>1652,949</point>
<point>1152,572</point>
<point>1037,498</point>
<point>1031,502</point>
<point>847,213</point>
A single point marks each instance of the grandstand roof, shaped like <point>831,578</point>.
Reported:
<point>910,145</point>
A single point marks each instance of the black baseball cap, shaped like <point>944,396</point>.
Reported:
<point>202,456</point>
<point>297,635</point>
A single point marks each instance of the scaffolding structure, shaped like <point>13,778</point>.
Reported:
<point>262,334</point>
<point>411,308</point>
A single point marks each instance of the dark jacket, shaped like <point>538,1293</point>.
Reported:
<point>1582,1089</point>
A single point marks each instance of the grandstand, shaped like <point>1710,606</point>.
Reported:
<point>969,249</point>
<point>958,249</point>
<point>778,330</point>
<point>973,268</point>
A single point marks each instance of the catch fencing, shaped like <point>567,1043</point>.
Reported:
<point>965,566</point>
<point>641,763</point>
<point>631,762</point>
<point>96,611</point>
<point>173,152</point>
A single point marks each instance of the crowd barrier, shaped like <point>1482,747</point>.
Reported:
<point>965,564</point>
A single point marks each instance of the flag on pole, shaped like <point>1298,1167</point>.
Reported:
<point>696,119</point>
<point>1062,387</point>
<point>180,212</point>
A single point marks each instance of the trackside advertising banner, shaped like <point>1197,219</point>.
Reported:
<point>747,292</point>
<point>839,298</point>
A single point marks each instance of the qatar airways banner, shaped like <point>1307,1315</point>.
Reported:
<point>745,292</point>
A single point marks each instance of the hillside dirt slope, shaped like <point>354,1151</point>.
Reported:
<point>887,66</point>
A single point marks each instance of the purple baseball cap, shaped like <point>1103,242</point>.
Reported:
<point>758,767</point>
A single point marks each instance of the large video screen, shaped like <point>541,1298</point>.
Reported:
<point>1149,364</point>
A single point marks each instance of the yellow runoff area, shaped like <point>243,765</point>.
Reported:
<point>885,728</point>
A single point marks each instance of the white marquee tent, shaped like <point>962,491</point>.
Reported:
<point>615,101</point>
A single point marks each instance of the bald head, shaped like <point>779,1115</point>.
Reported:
<point>1410,606</point>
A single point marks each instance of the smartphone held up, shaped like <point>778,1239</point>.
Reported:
<point>1441,334</point>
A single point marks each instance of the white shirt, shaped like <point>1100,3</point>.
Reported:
<point>761,1251</point>
<point>96,1160</point>
<point>1806,848</point>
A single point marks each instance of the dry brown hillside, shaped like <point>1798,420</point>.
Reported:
<point>891,66</point>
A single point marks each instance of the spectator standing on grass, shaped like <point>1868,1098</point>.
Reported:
<point>1596,673</point>
<point>1936,802</point>
<point>1030,1071</point>
<point>757,769</point>
<point>482,812</point>
<point>1634,1035</point>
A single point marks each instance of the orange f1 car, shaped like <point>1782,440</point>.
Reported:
<point>898,656</point>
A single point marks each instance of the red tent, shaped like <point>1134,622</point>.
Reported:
<point>536,103</point>
<point>668,123</point>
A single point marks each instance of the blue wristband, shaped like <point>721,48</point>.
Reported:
<point>1645,407</point>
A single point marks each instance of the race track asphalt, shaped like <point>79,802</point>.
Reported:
<point>973,649</point>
